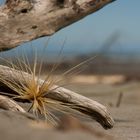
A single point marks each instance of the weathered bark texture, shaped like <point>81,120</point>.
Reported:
<point>8,104</point>
<point>25,20</point>
<point>87,106</point>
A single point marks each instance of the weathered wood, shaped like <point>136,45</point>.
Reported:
<point>8,104</point>
<point>25,20</point>
<point>83,104</point>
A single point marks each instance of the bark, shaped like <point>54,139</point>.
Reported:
<point>85,105</point>
<point>8,104</point>
<point>25,20</point>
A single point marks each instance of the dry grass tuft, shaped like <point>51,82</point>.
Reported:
<point>35,92</point>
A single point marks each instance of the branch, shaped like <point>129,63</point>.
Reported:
<point>8,104</point>
<point>83,104</point>
<point>25,20</point>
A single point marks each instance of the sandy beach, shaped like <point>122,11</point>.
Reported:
<point>126,115</point>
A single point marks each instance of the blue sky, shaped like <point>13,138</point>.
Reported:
<point>90,33</point>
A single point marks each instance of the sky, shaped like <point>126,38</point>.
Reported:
<point>90,33</point>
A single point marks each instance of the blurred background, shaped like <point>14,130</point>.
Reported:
<point>112,35</point>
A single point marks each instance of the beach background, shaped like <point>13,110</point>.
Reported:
<point>112,36</point>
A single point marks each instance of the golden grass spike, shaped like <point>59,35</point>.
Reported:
<point>35,93</point>
<point>54,67</point>
<point>30,90</point>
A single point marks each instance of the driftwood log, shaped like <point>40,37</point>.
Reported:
<point>8,104</point>
<point>25,20</point>
<point>85,105</point>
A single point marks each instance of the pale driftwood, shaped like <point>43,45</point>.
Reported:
<point>25,20</point>
<point>8,104</point>
<point>83,104</point>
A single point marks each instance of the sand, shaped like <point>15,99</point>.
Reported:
<point>127,116</point>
